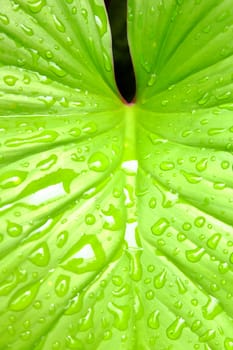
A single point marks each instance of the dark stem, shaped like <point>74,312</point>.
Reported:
<point>124,72</point>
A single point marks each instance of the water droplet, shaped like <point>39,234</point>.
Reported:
<point>160,279</point>
<point>58,24</point>
<point>160,227</point>
<point>85,255</point>
<point>13,229</point>
<point>152,79</point>
<point>62,285</point>
<point>86,322</point>
<point>195,255</point>
<point>27,30</point>
<point>207,336</point>
<point>153,320</point>
<point>225,164</point>
<point>174,331</point>
<point>135,270</point>
<point>57,70</point>
<point>113,218</point>
<point>49,54</point>
<point>45,136</point>
<point>212,308</point>
<point>199,221</point>
<point>46,164</point>
<point>107,61</point>
<point>216,131</point>
<point>202,164</point>
<point>36,5</point>
<point>191,178</point>
<point>4,19</point>
<point>98,162</point>
<point>90,219</point>
<point>100,20</point>
<point>62,239</point>
<point>75,132</point>
<point>214,240</point>
<point>167,166</point>
<point>181,286</point>
<point>204,99</point>
<point>75,305</point>
<point>73,343</point>
<point>228,344</point>
<point>121,315</point>
<point>10,80</point>
<point>23,297</point>
<point>40,256</point>
<point>12,179</point>
<point>152,203</point>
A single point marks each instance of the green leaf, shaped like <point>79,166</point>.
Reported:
<point>116,220</point>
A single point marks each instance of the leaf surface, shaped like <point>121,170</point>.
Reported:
<point>116,220</point>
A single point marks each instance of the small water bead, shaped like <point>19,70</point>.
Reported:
<point>186,226</point>
<point>100,20</point>
<point>152,79</point>
<point>160,279</point>
<point>75,132</point>
<point>199,221</point>
<point>62,285</point>
<point>14,229</point>
<point>4,19</point>
<point>58,24</point>
<point>181,286</point>
<point>191,178</point>
<point>90,219</point>
<point>98,162</point>
<point>204,99</point>
<point>181,237</point>
<point>107,335</point>
<point>202,164</point>
<point>117,280</point>
<point>73,343</point>
<point>10,80</point>
<point>27,30</point>
<point>107,61</point>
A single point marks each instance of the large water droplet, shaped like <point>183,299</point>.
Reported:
<point>121,315</point>
<point>98,162</point>
<point>174,331</point>
<point>40,256</point>
<point>23,297</point>
<point>195,255</point>
<point>214,240</point>
<point>160,227</point>
<point>153,320</point>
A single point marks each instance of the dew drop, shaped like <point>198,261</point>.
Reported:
<point>23,297</point>
<point>153,320</point>
<point>10,80</point>
<point>160,227</point>
<point>58,24</point>
<point>214,240</point>
<point>62,285</point>
<point>121,315</point>
<point>228,344</point>
<point>36,5</point>
<point>12,179</point>
<point>211,309</point>
<point>40,256</point>
<point>195,255</point>
<point>202,164</point>
<point>98,162</point>
<point>62,239</point>
<point>152,80</point>
<point>167,166</point>
<point>160,279</point>
<point>13,229</point>
<point>4,19</point>
<point>174,331</point>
